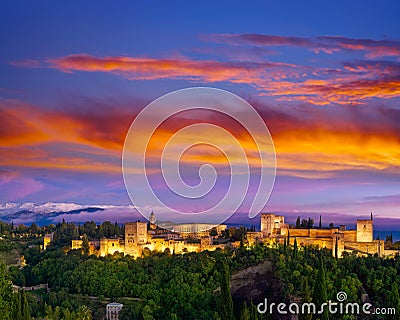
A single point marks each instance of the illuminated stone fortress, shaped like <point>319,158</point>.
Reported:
<point>338,239</point>
<point>180,238</point>
<point>142,237</point>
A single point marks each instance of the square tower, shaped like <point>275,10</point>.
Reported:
<point>365,231</point>
<point>267,223</point>
<point>272,224</point>
<point>135,235</point>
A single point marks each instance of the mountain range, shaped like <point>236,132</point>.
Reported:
<point>54,212</point>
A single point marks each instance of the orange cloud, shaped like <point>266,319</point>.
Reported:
<point>36,138</point>
<point>38,158</point>
<point>350,84</point>
<point>339,91</point>
<point>309,141</point>
<point>26,124</point>
<point>151,69</point>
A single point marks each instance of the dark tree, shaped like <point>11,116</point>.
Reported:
<point>295,249</point>
<point>394,301</point>
<point>298,225</point>
<point>226,298</point>
<point>320,294</point>
<point>34,228</point>
<point>245,312</point>
<point>85,245</point>
<point>336,248</point>
<point>305,296</point>
<point>23,312</point>
<point>7,298</point>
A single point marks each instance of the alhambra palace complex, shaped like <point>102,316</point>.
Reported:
<point>360,240</point>
<point>194,237</point>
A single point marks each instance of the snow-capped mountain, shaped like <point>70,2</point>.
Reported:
<point>50,212</point>
<point>47,207</point>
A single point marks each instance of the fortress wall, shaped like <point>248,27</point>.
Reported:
<point>391,253</point>
<point>156,244</point>
<point>181,246</point>
<point>324,233</point>
<point>192,247</point>
<point>110,246</point>
<point>298,233</point>
<point>307,241</point>
<point>350,235</point>
<point>377,246</point>
<point>253,237</point>
<point>312,233</point>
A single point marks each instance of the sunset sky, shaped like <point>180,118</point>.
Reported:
<point>325,78</point>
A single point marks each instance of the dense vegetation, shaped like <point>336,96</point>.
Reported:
<point>189,286</point>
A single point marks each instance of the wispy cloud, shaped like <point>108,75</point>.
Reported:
<point>152,69</point>
<point>328,44</point>
<point>348,83</point>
